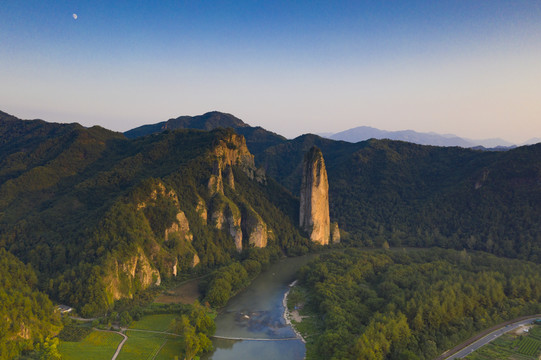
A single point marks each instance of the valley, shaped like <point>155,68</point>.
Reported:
<point>230,180</point>
<point>200,208</point>
<point>151,336</point>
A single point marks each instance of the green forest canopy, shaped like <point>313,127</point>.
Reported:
<point>412,304</point>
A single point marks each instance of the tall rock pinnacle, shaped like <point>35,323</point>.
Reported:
<point>314,210</point>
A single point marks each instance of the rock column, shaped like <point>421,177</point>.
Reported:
<point>314,209</point>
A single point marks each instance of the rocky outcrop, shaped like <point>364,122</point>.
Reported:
<point>175,268</point>
<point>180,227</point>
<point>216,182</point>
<point>231,151</point>
<point>256,230</point>
<point>201,210</point>
<point>195,260</point>
<point>314,207</point>
<point>235,230</point>
<point>479,183</point>
<point>226,216</point>
<point>217,219</point>
<point>127,276</point>
<point>335,233</point>
<point>24,332</point>
<point>229,178</point>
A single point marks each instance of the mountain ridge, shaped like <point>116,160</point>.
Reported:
<point>256,137</point>
<point>362,133</point>
<point>100,217</point>
<point>208,121</point>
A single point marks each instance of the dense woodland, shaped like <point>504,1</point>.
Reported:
<point>70,202</point>
<point>70,210</point>
<point>408,194</point>
<point>27,314</point>
<point>412,304</point>
<point>422,196</point>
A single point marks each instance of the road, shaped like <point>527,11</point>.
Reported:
<point>499,331</point>
<point>119,345</point>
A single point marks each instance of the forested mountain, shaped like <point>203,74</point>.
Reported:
<point>101,217</point>
<point>26,313</point>
<point>257,138</point>
<point>419,195</point>
<point>209,121</point>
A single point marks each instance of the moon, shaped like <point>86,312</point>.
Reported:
<point>74,16</point>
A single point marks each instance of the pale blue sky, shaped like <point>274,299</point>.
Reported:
<point>468,67</point>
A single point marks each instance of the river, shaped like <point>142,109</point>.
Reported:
<point>257,313</point>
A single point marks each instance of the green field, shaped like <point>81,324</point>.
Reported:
<point>143,345</point>
<point>508,346</point>
<point>140,344</point>
<point>97,345</point>
<point>160,322</point>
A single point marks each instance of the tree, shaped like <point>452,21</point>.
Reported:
<point>200,318</point>
<point>219,293</point>
<point>195,326</point>
<point>193,342</point>
<point>47,350</point>
<point>125,319</point>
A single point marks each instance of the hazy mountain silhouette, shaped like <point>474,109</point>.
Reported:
<point>362,133</point>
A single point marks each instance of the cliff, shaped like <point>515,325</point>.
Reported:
<point>314,205</point>
<point>255,229</point>
<point>228,152</point>
<point>231,152</point>
<point>226,216</point>
<point>180,224</point>
<point>121,215</point>
<point>125,277</point>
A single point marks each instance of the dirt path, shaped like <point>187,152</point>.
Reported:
<point>119,345</point>
<point>126,338</point>
<point>82,319</point>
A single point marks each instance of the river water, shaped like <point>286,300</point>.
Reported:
<point>257,313</point>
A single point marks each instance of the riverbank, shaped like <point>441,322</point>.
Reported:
<point>288,315</point>
<point>263,303</point>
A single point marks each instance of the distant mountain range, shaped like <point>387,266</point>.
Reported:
<point>362,133</point>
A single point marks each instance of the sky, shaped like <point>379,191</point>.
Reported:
<point>465,67</point>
